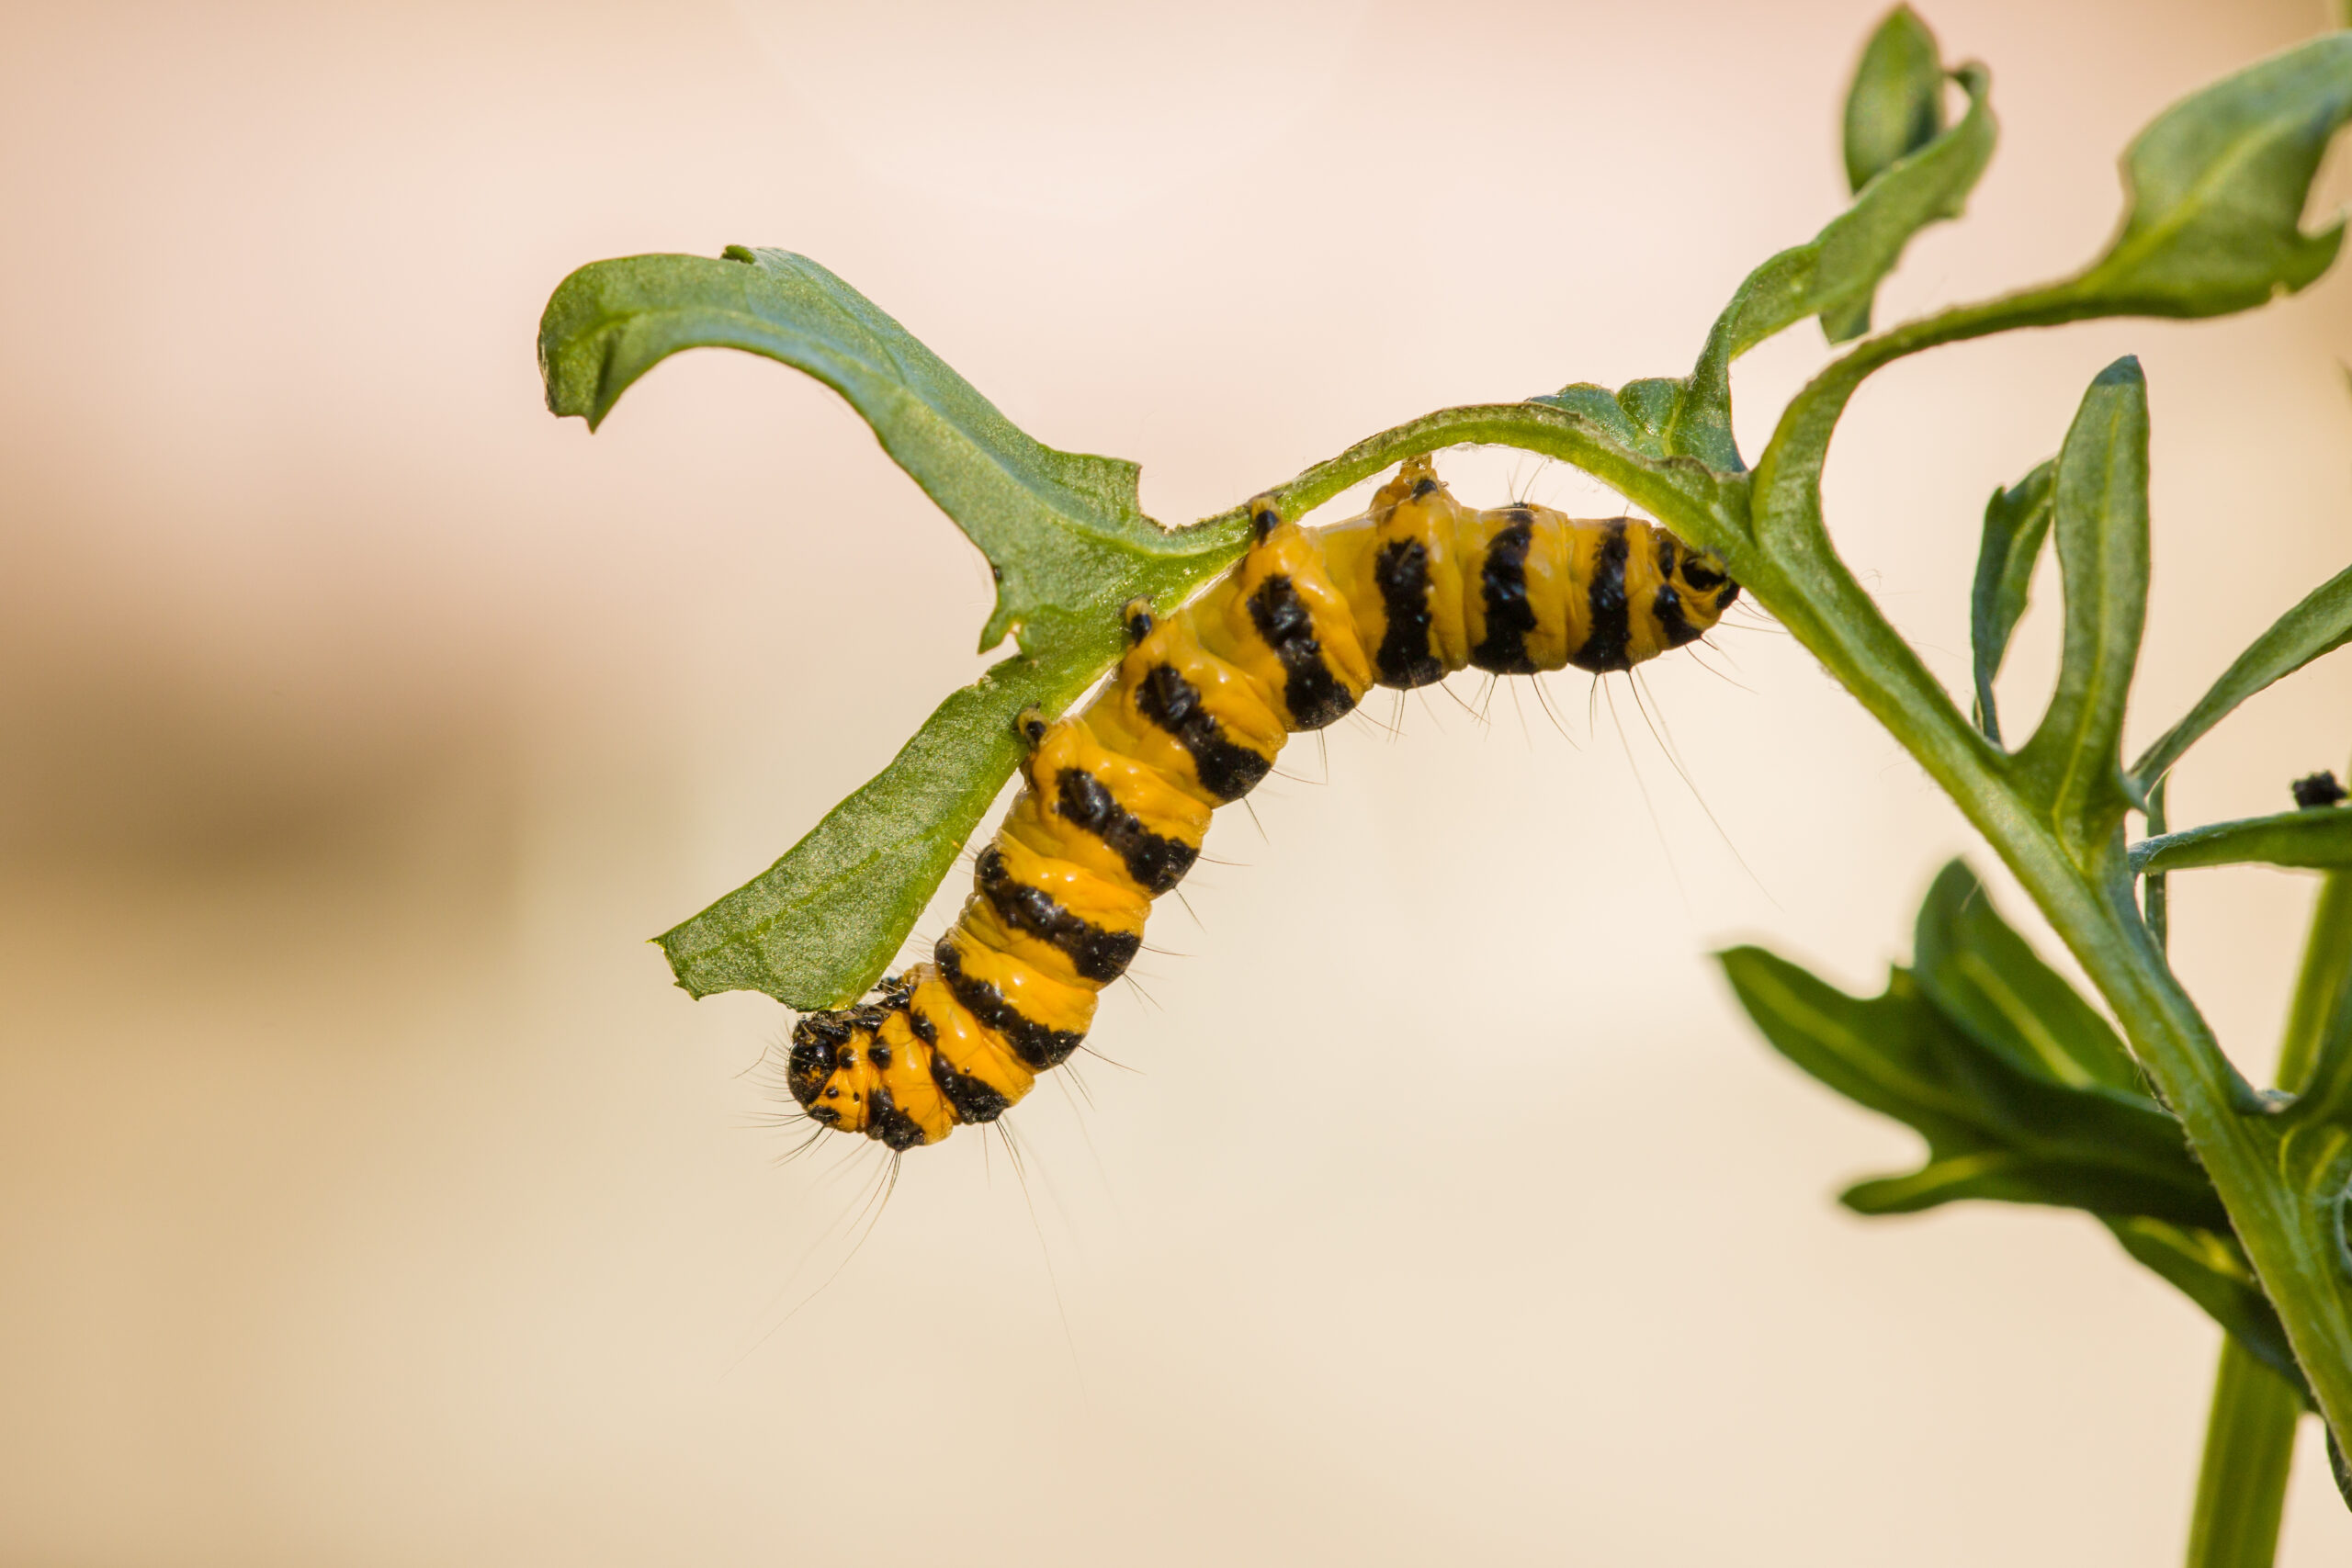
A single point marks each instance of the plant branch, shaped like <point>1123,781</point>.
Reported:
<point>2250,1453</point>
<point>2250,1437</point>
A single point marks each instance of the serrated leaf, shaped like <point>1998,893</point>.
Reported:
<point>2016,522</point>
<point>1983,976</point>
<point>2216,186</point>
<point>1993,1131</point>
<point>2072,767</point>
<point>2317,839</point>
<point>1062,531</point>
<point>2210,1269</point>
<point>2320,625</point>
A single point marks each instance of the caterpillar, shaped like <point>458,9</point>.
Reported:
<point>1118,796</point>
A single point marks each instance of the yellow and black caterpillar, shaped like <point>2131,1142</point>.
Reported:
<point>1119,794</point>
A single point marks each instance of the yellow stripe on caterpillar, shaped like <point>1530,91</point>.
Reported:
<point>1118,796</point>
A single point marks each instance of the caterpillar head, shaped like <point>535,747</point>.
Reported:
<point>835,1064</point>
<point>818,1042</point>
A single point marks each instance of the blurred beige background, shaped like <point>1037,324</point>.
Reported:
<point>367,1195</point>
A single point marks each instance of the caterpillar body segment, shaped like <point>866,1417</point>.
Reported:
<point>1118,796</point>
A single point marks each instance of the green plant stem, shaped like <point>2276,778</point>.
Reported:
<point>1781,554</point>
<point>1768,526</point>
<point>2155,895</point>
<point>2320,983</point>
<point>2082,891</point>
<point>2250,1437</point>
<point>2249,1451</point>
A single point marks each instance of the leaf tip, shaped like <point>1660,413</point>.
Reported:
<point>2124,372</point>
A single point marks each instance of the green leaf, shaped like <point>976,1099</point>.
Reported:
<point>2217,185</point>
<point>2001,1132</point>
<point>2315,1060</point>
<point>818,928</point>
<point>1895,106</point>
<point>1059,529</point>
<point>1842,265</point>
<point>2321,623</point>
<point>2073,765</point>
<point>2156,896</point>
<point>1835,274</point>
<point>2011,1124</point>
<point>1063,534</point>
<point>2214,192</point>
<point>2210,1269</point>
<point>2017,521</point>
<point>1993,1131</point>
<point>1639,417</point>
<point>1982,975</point>
<point>2320,838</point>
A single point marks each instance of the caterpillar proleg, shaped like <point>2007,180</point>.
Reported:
<point>1119,794</point>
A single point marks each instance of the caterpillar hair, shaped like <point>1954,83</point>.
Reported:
<point>1119,794</point>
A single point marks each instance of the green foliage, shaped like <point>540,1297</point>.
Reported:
<point>2210,1269</point>
<point>1840,268</point>
<point>2312,839</point>
<point>2072,767</point>
<point>2017,521</point>
<point>2249,1456</point>
<point>1894,107</point>
<point>2321,623</point>
<point>2218,184</point>
<point>2019,1085</point>
<point>1895,104</point>
<point>1981,974</point>
<point>2021,1090</point>
<point>1835,274</point>
<point>1062,532</point>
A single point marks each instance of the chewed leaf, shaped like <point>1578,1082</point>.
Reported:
<point>1059,528</point>
<point>2217,186</point>
<point>819,927</point>
<point>2074,764</point>
<point>2320,625</point>
<point>2317,840</point>
<point>1983,976</point>
<point>1062,532</point>
<point>2016,522</point>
